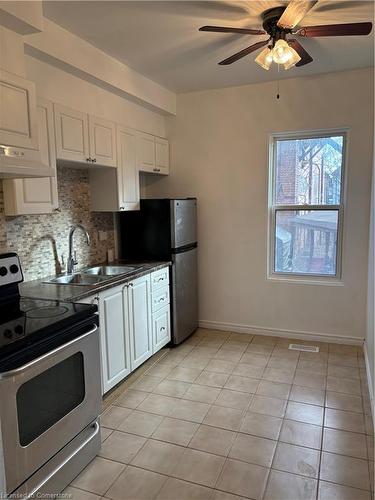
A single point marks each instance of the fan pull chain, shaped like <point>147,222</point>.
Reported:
<point>278,82</point>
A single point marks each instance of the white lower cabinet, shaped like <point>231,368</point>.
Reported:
<point>134,321</point>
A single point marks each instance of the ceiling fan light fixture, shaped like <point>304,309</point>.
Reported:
<point>294,58</point>
<point>281,53</point>
<point>265,58</point>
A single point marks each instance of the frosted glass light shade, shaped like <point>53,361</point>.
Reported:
<point>281,52</point>
<point>265,58</point>
<point>295,57</point>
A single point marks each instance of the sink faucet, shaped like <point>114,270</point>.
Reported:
<point>72,261</point>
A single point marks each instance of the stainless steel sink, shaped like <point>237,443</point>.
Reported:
<point>109,270</point>
<point>78,279</point>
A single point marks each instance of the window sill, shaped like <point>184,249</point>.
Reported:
<point>303,280</point>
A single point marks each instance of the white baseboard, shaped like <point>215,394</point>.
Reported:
<point>369,383</point>
<point>293,334</point>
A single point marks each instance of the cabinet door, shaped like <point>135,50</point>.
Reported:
<point>128,175</point>
<point>114,341</point>
<point>39,195</point>
<point>162,156</point>
<point>146,152</point>
<point>161,328</point>
<point>102,134</point>
<point>139,317</point>
<point>72,138</point>
<point>18,120</point>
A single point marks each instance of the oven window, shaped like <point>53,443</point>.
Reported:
<point>48,397</point>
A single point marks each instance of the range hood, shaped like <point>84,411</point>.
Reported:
<point>22,162</point>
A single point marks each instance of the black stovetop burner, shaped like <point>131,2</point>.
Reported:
<point>25,322</point>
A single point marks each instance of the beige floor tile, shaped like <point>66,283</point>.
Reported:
<point>241,337</point>
<point>253,449</point>
<point>307,379</point>
<point>213,440</point>
<point>343,359</point>
<point>285,486</point>
<point>255,359</point>
<point>220,366</point>
<point>343,371</point>
<point>136,484</point>
<point>131,399</point>
<point>261,425</point>
<point>256,348</point>
<point>189,410</point>
<point>316,357</point>
<point>307,395</point>
<point>196,362</point>
<point>345,470</point>
<point>227,355</point>
<point>146,383</point>
<point>347,402</point>
<point>199,467</point>
<point>175,431</point>
<point>213,343</point>
<point>205,351</point>
<point>273,389</point>
<point>310,414</point>
<point>243,479</point>
<point>158,456</point>
<point>98,476</point>
<point>281,363</point>
<point>156,403</point>
<point>234,345</point>
<point>346,385</point>
<point>247,370</point>
<point>344,420</point>
<point>276,375</point>
<point>174,388</point>
<point>223,495</point>
<point>184,374</point>
<point>330,491</point>
<point>114,416</point>
<point>370,447</point>
<point>345,443</point>
<point>297,460</point>
<point>159,370</point>
<point>105,433</point>
<point>244,384</point>
<point>212,379</point>
<point>226,418</point>
<point>233,399</point>
<point>141,423</point>
<point>175,489</point>
<point>121,447</point>
<point>369,425</point>
<point>268,406</point>
<point>77,494</point>
<point>344,349</point>
<point>312,367</point>
<point>301,434</point>
<point>201,394</point>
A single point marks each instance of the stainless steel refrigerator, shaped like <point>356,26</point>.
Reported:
<point>166,229</point>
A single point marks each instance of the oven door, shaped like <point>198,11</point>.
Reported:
<point>46,403</point>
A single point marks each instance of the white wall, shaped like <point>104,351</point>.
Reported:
<point>219,153</point>
<point>64,88</point>
<point>370,333</point>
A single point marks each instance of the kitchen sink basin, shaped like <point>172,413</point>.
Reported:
<point>78,279</point>
<point>109,270</point>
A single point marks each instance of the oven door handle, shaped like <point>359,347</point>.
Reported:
<point>21,369</point>
<point>95,426</point>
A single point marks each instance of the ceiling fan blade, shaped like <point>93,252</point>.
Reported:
<point>243,53</point>
<point>295,12</point>
<point>304,55</point>
<point>335,30</point>
<point>225,29</point>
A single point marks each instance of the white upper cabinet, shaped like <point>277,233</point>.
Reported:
<point>146,152</point>
<point>102,139</point>
<point>72,137</point>
<point>36,195</point>
<point>18,116</point>
<point>161,156</point>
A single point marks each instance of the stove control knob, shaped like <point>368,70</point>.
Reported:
<point>8,333</point>
<point>3,271</point>
<point>14,268</point>
<point>19,329</point>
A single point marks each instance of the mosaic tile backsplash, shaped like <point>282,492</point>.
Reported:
<point>41,240</point>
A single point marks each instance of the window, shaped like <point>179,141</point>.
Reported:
<point>306,204</point>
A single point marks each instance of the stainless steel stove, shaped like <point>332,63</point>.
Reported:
<point>50,394</point>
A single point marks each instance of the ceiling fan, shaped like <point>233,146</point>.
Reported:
<point>279,23</point>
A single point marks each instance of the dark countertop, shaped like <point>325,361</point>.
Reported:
<point>38,289</point>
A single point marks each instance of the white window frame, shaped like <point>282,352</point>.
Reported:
<point>305,278</point>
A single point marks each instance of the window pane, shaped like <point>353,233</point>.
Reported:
<point>306,242</point>
<point>308,171</point>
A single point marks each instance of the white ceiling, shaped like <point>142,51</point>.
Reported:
<point>161,39</point>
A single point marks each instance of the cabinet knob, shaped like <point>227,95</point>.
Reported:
<point>94,160</point>
<point>122,208</point>
<point>162,328</point>
<point>88,159</point>
<point>156,169</point>
<point>57,209</point>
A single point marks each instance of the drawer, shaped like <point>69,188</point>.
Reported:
<point>160,278</point>
<point>160,298</point>
<point>161,328</point>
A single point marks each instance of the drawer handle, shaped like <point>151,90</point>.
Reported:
<point>161,299</point>
<point>160,279</point>
<point>162,328</point>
